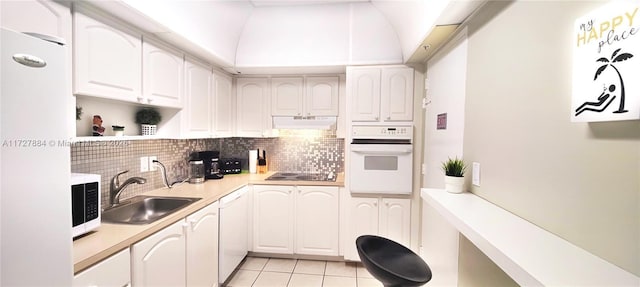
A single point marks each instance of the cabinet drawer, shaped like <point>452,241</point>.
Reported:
<point>113,271</point>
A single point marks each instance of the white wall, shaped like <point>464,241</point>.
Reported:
<point>411,19</point>
<point>446,91</point>
<point>577,180</point>
<point>446,74</point>
<point>317,35</point>
<point>213,25</point>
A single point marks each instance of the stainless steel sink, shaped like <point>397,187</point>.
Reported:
<point>145,209</point>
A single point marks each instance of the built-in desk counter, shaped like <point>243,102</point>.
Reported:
<point>529,254</point>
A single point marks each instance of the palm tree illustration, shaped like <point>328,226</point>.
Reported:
<point>609,62</point>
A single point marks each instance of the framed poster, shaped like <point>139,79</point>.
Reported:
<point>606,64</point>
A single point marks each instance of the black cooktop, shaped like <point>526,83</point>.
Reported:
<point>301,176</point>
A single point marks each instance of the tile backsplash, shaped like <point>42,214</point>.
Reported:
<point>293,151</point>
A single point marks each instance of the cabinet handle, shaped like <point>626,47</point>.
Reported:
<point>140,99</point>
<point>388,118</point>
<point>193,223</point>
<point>185,226</point>
<point>376,118</point>
<point>375,203</point>
<point>149,100</point>
<point>386,204</point>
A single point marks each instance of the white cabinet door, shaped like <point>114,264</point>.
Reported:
<point>202,247</point>
<point>197,112</point>
<point>273,220</point>
<point>107,60</point>
<point>395,220</point>
<point>365,94</point>
<point>159,260</point>
<point>41,16</point>
<point>397,94</point>
<point>223,106</point>
<point>162,75</point>
<point>321,96</point>
<point>363,219</point>
<point>317,225</point>
<point>253,106</point>
<point>113,271</point>
<point>286,95</point>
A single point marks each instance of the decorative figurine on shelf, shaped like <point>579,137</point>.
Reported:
<point>98,129</point>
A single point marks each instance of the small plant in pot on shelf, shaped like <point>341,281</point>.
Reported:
<point>454,175</point>
<point>148,118</point>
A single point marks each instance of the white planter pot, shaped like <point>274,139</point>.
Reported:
<point>148,130</point>
<point>454,184</point>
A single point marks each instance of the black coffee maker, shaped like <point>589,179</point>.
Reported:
<point>211,161</point>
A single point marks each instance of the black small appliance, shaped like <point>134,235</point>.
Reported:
<point>211,160</point>
<point>231,166</point>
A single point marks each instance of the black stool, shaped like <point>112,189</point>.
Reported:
<point>391,263</point>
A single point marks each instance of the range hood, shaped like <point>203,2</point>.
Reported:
<point>315,123</point>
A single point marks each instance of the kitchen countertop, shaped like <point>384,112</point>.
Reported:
<point>110,238</point>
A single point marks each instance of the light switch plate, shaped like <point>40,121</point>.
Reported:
<point>475,171</point>
<point>144,164</point>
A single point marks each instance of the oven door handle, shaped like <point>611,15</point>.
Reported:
<point>382,152</point>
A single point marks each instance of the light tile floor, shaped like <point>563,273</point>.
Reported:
<point>275,272</point>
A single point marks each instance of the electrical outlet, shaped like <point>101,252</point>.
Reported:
<point>475,178</point>
<point>144,164</point>
<point>152,165</point>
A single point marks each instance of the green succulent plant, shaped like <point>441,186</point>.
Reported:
<point>454,167</point>
<point>148,116</point>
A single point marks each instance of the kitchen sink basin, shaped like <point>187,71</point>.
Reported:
<point>145,209</point>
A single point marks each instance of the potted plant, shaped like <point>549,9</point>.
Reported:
<point>148,118</point>
<point>454,175</point>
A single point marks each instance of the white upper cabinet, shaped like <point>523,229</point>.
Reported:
<point>196,115</point>
<point>163,75</point>
<point>107,60</point>
<point>42,16</point>
<point>310,96</point>
<point>253,106</point>
<point>223,106</point>
<point>396,94</point>
<point>321,96</point>
<point>381,94</point>
<point>365,94</point>
<point>286,95</point>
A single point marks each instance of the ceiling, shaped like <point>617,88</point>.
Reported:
<point>260,3</point>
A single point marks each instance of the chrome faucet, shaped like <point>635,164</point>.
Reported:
<point>116,188</point>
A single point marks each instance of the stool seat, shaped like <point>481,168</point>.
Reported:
<point>392,263</point>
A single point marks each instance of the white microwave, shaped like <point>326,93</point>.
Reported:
<point>85,202</point>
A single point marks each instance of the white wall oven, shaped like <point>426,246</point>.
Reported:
<point>381,159</point>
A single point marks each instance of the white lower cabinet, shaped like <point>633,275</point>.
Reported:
<point>202,247</point>
<point>317,220</point>
<point>386,217</point>
<point>300,220</point>
<point>183,254</point>
<point>113,271</point>
<point>273,209</point>
<point>159,260</point>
